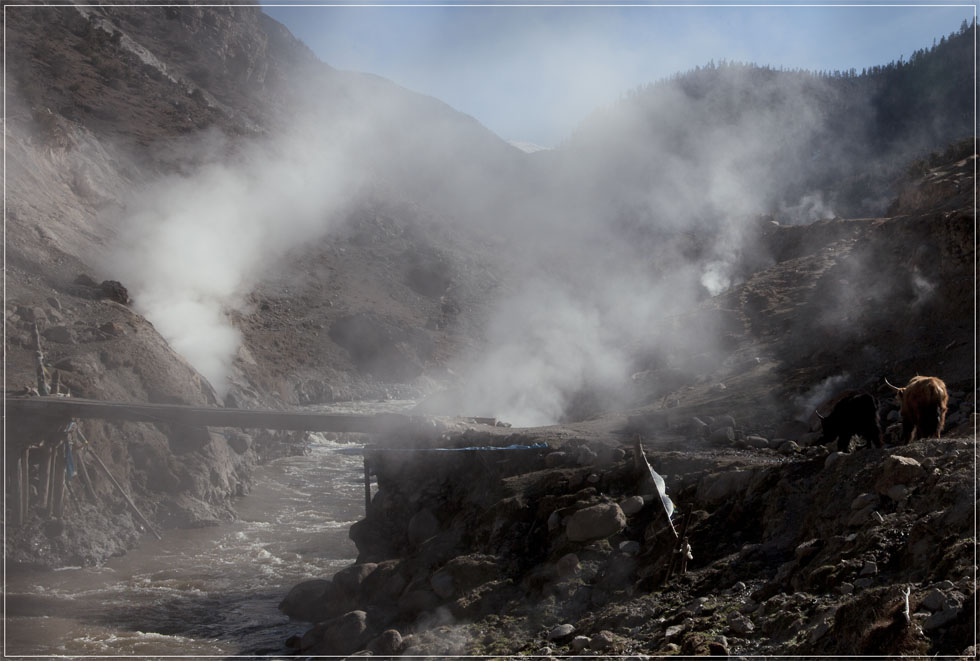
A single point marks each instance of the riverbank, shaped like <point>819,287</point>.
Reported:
<point>796,550</point>
<point>206,591</point>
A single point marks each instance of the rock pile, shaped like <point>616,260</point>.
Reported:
<point>557,554</point>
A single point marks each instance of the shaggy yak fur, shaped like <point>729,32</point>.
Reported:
<point>923,406</point>
<point>854,414</point>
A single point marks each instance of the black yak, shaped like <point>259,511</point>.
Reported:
<point>854,414</point>
<point>923,406</point>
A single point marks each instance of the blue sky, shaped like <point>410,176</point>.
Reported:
<point>532,73</point>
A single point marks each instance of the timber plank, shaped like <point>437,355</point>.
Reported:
<point>24,411</point>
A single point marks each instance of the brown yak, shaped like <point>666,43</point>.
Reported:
<point>923,406</point>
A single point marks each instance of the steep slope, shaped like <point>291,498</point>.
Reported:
<point>111,106</point>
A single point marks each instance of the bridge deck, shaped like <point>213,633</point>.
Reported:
<point>21,412</point>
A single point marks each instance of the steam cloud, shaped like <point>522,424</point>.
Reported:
<point>611,239</point>
<point>195,244</point>
<point>809,401</point>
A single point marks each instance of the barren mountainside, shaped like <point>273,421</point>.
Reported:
<point>200,212</point>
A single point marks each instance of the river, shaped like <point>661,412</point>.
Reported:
<point>202,592</point>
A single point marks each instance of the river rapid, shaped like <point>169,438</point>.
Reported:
<point>208,591</point>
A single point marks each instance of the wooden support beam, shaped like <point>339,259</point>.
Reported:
<point>19,480</point>
<point>58,485</point>
<point>44,488</point>
<point>86,480</point>
<point>25,485</point>
<point>122,492</point>
<point>23,411</point>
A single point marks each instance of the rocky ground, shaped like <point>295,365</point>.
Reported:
<point>798,549</point>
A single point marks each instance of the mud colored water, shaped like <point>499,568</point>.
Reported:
<point>202,592</point>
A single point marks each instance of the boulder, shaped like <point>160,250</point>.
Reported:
<point>567,564</point>
<point>631,505</point>
<point>870,568</point>
<point>349,579</point>
<point>789,447</point>
<point>864,500</point>
<point>338,636</point>
<point>555,459</point>
<point>238,441</point>
<point>722,436</point>
<point>898,470</point>
<point>940,619</point>
<point>114,291</point>
<point>935,600</point>
<point>609,455</point>
<point>585,456</point>
<point>898,492</point>
<point>718,487</point>
<point>832,459</point>
<point>471,571</point>
<point>388,643</point>
<point>603,641</point>
<point>384,584</point>
<point>561,633</point>
<point>596,522</point>
<point>757,442</point>
<point>306,600</point>
<point>630,547</point>
<point>740,624</point>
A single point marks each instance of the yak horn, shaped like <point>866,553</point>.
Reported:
<point>895,388</point>
<point>818,414</point>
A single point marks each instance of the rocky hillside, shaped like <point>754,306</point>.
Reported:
<point>109,106</point>
<point>565,551</point>
<point>330,236</point>
<point>559,546</point>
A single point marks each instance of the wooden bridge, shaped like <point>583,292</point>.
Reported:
<point>25,412</point>
<point>43,424</point>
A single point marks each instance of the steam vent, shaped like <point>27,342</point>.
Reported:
<point>489,331</point>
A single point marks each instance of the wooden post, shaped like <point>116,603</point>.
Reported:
<point>367,486</point>
<point>129,501</point>
<point>42,383</point>
<point>25,485</point>
<point>86,480</point>
<point>56,502</point>
<point>47,457</point>
<point>676,553</point>
<point>18,511</point>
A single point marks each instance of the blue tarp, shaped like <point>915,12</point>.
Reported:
<point>535,446</point>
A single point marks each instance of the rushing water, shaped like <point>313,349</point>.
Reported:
<point>201,592</point>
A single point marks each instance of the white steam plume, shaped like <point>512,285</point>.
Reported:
<point>193,245</point>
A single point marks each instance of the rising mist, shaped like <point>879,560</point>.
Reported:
<point>651,207</point>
